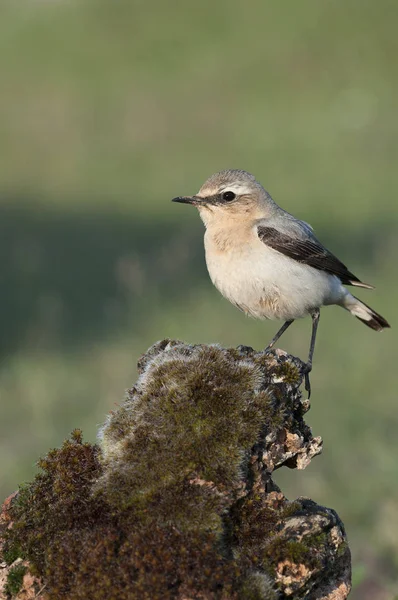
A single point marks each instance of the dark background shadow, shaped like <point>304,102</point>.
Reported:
<point>74,275</point>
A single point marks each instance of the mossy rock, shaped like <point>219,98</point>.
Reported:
<point>177,500</point>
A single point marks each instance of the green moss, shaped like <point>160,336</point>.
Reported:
<point>254,523</point>
<point>310,550</point>
<point>257,538</point>
<point>293,551</point>
<point>342,549</point>
<point>317,541</point>
<point>258,586</point>
<point>289,373</point>
<point>15,579</point>
<point>199,412</point>
<point>59,498</point>
<point>153,563</point>
<point>290,509</point>
<point>84,548</point>
<point>10,554</point>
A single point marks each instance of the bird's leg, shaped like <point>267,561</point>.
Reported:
<point>315,321</point>
<point>278,334</point>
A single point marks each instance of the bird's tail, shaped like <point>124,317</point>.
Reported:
<point>364,313</point>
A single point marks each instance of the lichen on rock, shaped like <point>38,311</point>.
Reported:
<point>177,499</point>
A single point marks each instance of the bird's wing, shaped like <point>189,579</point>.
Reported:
<point>309,251</point>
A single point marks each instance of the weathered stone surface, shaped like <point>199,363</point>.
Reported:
<point>178,500</point>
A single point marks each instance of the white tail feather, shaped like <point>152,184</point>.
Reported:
<point>364,313</point>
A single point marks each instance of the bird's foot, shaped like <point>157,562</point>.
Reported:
<point>307,383</point>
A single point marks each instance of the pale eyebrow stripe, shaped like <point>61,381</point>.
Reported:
<point>238,188</point>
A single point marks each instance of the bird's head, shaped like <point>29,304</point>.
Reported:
<point>228,196</point>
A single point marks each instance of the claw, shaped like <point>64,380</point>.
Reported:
<point>307,384</point>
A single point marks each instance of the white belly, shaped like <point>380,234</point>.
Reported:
<point>268,285</point>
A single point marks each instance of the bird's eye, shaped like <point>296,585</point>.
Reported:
<point>228,196</point>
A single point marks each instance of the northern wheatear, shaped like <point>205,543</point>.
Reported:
<point>267,262</point>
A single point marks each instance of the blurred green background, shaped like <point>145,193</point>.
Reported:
<point>110,109</point>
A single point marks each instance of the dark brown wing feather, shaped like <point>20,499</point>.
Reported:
<point>309,252</point>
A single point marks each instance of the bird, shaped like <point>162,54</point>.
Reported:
<point>268,263</point>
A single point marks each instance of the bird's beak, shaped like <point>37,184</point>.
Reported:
<point>187,200</point>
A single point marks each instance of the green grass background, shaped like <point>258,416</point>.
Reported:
<point>110,109</point>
